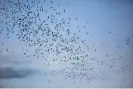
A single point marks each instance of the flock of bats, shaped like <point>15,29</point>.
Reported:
<point>51,35</point>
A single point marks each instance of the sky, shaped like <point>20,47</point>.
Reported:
<point>110,27</point>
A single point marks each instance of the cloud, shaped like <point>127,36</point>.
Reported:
<point>7,73</point>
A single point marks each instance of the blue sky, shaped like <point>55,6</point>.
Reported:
<point>109,23</point>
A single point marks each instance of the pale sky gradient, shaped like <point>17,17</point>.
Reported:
<point>103,16</point>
